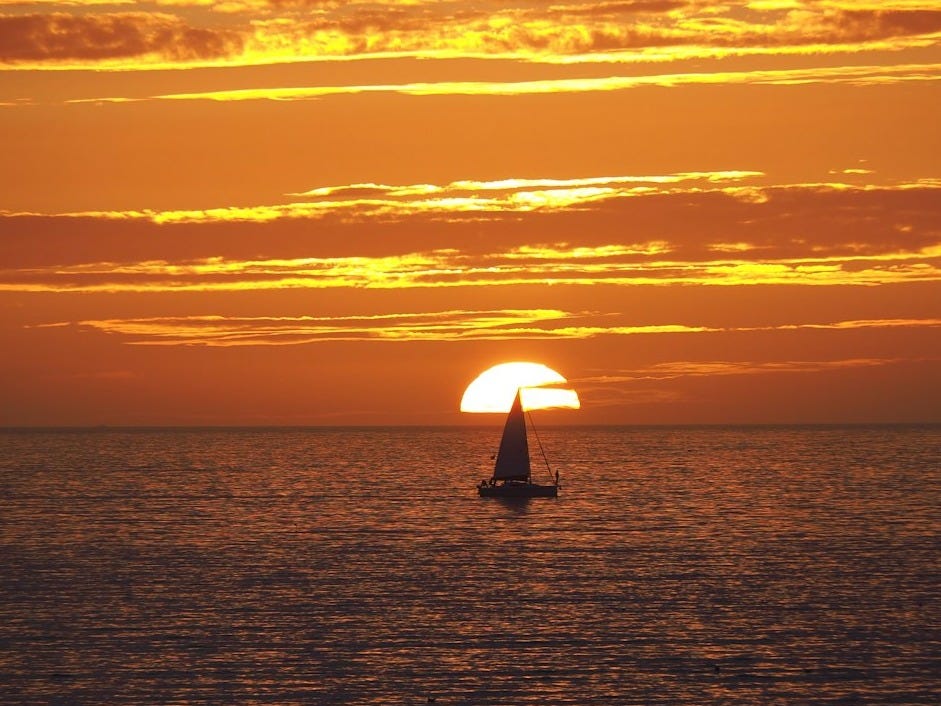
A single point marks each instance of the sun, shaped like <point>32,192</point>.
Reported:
<point>494,389</point>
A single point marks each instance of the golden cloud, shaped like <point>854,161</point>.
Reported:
<point>458,197</point>
<point>63,39</point>
<point>607,264</point>
<point>244,32</point>
<point>674,370</point>
<point>853,75</point>
<point>828,235</point>
<point>453,325</point>
<point>254,331</point>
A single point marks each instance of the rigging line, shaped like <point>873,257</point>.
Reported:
<point>539,441</point>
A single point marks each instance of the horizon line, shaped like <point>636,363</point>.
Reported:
<point>497,423</point>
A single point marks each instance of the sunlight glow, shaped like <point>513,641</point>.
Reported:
<point>454,325</point>
<point>870,75</point>
<point>494,389</point>
<point>200,33</point>
<point>637,264</point>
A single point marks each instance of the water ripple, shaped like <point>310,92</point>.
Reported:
<point>678,566</point>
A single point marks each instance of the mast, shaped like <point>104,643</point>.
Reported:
<point>542,450</point>
<point>513,456</point>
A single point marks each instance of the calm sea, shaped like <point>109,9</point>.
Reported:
<point>735,565</point>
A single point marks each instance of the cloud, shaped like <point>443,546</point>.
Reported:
<point>610,265</point>
<point>388,202</point>
<point>600,31</point>
<point>674,370</point>
<point>697,214</point>
<point>851,75</point>
<point>65,38</point>
<point>612,10</point>
<point>256,331</point>
<point>452,325</point>
<point>243,32</point>
<point>653,383</point>
<point>869,24</point>
<point>699,228</point>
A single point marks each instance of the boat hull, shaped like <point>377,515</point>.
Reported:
<point>518,490</point>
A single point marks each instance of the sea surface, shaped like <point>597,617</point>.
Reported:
<point>682,565</point>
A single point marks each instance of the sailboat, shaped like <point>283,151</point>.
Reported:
<point>512,473</point>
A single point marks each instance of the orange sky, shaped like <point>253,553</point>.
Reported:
<point>318,212</point>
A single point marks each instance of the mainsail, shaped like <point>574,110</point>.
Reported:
<point>513,456</point>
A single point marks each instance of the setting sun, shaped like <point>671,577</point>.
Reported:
<point>494,389</point>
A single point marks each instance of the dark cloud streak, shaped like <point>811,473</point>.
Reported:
<point>291,30</point>
<point>782,222</point>
<point>64,37</point>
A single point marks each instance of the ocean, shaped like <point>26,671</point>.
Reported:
<point>679,565</point>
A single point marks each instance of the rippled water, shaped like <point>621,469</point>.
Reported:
<point>787,565</point>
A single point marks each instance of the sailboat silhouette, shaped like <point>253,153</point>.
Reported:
<point>512,472</point>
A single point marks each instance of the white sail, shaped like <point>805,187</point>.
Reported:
<point>513,456</point>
